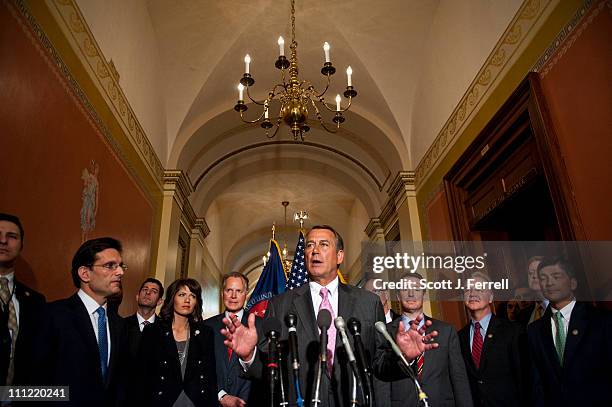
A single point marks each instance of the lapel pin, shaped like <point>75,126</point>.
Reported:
<point>489,336</point>
<point>197,332</point>
<point>575,332</point>
<point>168,333</point>
<point>27,293</point>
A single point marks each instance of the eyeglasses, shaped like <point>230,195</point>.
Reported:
<point>111,266</point>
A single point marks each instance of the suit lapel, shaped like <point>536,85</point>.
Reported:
<point>488,341</point>
<point>83,325</point>
<point>575,332</point>
<point>303,306</point>
<point>114,326</point>
<point>545,328</point>
<point>464,339</point>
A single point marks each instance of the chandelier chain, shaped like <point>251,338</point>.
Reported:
<point>293,22</point>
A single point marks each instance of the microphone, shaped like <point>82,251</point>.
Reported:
<point>323,321</point>
<point>272,328</point>
<point>354,327</point>
<point>291,322</point>
<point>340,326</point>
<point>382,328</point>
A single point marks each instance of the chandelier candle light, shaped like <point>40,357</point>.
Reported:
<point>294,95</point>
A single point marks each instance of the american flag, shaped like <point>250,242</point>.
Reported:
<point>298,275</point>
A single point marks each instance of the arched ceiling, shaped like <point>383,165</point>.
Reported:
<point>194,50</point>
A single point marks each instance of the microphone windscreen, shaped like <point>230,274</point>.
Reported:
<point>324,319</point>
<point>339,322</point>
<point>381,327</point>
<point>290,320</point>
<point>354,326</point>
<point>271,324</point>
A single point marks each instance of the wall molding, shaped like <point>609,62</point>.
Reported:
<point>485,81</point>
<point>106,79</point>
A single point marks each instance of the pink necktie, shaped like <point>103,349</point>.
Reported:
<point>331,332</point>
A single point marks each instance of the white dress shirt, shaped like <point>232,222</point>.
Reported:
<point>91,305</point>
<point>141,320</point>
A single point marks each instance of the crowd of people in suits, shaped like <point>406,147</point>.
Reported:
<point>548,350</point>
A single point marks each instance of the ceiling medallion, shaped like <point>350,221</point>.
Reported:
<point>295,96</point>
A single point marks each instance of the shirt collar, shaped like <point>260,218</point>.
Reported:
<point>484,322</point>
<point>238,314</point>
<point>90,304</point>
<point>565,311</point>
<point>10,277</point>
<point>332,287</point>
<point>141,318</point>
<point>408,320</point>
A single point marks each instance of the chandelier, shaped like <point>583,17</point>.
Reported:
<point>295,96</point>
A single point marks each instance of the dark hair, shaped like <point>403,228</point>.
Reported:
<point>236,274</point>
<point>167,310</point>
<point>87,253</point>
<point>339,241</point>
<point>562,262</point>
<point>154,281</point>
<point>13,219</point>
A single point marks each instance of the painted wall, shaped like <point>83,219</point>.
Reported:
<point>577,87</point>
<point>48,138</point>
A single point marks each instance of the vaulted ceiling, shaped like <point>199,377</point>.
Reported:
<point>180,62</point>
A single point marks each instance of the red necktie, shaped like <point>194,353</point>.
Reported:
<point>229,350</point>
<point>420,360</point>
<point>476,345</point>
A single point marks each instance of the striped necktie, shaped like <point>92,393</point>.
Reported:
<point>476,345</point>
<point>559,335</point>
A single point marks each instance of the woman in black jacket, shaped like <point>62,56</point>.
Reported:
<point>176,357</point>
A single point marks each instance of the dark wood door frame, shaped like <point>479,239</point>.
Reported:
<point>523,118</point>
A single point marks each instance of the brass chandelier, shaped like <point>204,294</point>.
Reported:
<point>294,95</point>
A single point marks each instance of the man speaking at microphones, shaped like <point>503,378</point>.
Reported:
<point>324,253</point>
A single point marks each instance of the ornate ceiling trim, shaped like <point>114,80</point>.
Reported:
<point>488,76</point>
<point>231,154</point>
<point>106,78</point>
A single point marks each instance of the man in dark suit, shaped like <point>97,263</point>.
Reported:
<point>233,389</point>
<point>149,296</point>
<point>324,253</point>
<point>81,345</point>
<point>571,345</point>
<point>21,307</point>
<point>441,373</point>
<point>494,351</point>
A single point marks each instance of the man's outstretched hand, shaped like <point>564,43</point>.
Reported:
<point>413,341</point>
<point>242,339</point>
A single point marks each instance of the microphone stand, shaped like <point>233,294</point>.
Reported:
<point>323,321</point>
<point>291,320</point>
<point>355,328</point>
<point>281,382</point>
<point>272,365</point>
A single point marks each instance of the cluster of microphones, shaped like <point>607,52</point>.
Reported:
<point>358,361</point>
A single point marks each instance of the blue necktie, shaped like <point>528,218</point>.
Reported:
<point>102,341</point>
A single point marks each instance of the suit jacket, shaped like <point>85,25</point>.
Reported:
<point>67,354</point>
<point>501,378</point>
<point>229,371</point>
<point>444,377</point>
<point>160,380</point>
<point>31,306</point>
<point>134,334</point>
<point>584,378</point>
<point>352,302</point>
